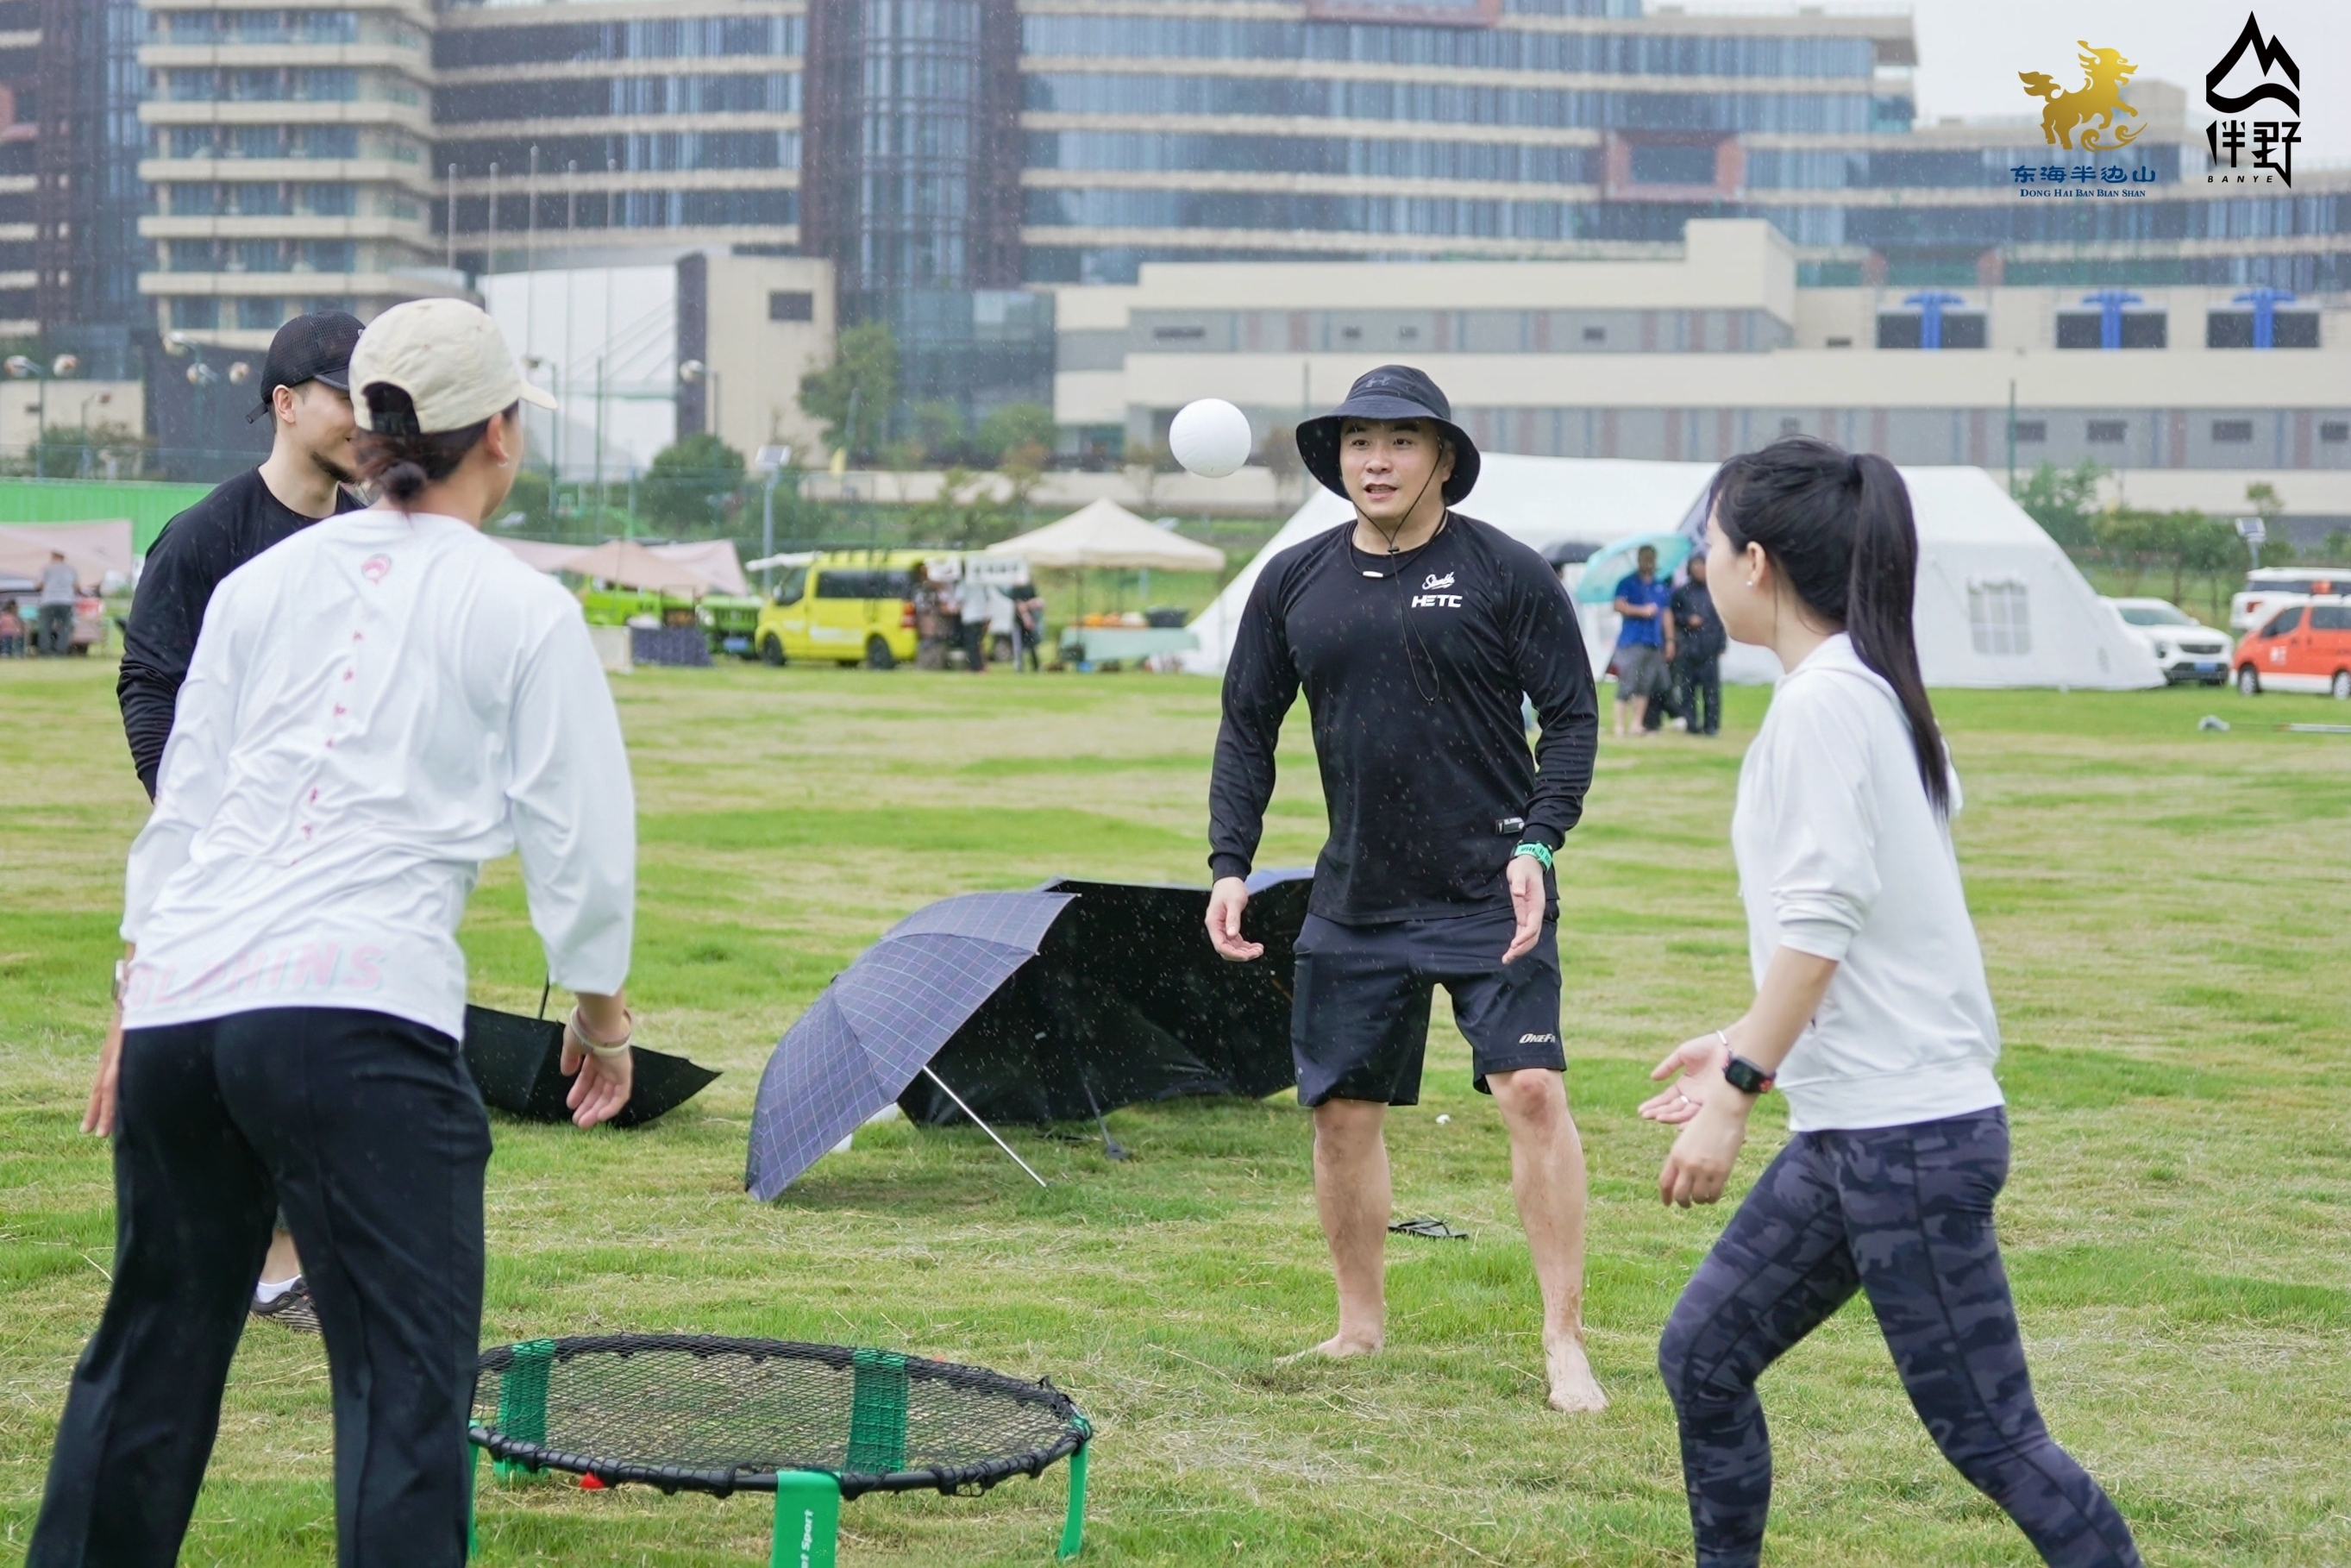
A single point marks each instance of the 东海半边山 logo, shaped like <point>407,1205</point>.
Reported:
<point>2098,99</point>
<point>2271,142</point>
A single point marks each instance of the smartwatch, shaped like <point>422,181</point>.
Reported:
<point>1745,1076</point>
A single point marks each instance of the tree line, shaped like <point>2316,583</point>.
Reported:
<point>2180,548</point>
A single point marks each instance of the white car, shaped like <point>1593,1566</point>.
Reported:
<point>2184,647</point>
<point>2270,589</point>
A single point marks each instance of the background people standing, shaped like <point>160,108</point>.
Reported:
<point>1645,641</point>
<point>978,610</point>
<point>59,593</point>
<point>1698,643</point>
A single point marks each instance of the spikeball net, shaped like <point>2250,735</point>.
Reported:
<point>812,1423</point>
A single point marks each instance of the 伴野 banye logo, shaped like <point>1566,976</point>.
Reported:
<point>2099,98</point>
<point>2269,142</point>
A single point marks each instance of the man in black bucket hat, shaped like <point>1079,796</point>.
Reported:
<point>1413,630</point>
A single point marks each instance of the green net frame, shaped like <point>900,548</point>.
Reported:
<point>814,1423</point>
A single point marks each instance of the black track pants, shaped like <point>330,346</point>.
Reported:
<point>368,1130</point>
<point>1904,1214</point>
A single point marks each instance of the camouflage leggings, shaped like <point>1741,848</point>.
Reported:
<point>1904,1214</point>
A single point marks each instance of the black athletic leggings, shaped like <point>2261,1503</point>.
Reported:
<point>368,1128</point>
<point>1904,1214</point>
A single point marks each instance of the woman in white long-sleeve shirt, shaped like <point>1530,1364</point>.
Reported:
<point>375,707</point>
<point>1871,1014</point>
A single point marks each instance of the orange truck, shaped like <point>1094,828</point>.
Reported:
<point>2305,646</point>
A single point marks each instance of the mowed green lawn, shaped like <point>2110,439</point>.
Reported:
<point>2166,915</point>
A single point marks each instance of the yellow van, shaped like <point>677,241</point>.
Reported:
<point>848,607</point>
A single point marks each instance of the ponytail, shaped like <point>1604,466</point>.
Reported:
<point>1839,529</point>
<point>397,458</point>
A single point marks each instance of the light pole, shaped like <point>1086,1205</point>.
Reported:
<point>695,371</point>
<point>555,426</point>
<point>200,373</point>
<point>21,366</point>
<point>770,461</point>
<point>2011,436</point>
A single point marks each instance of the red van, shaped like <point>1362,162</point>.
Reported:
<point>2304,647</point>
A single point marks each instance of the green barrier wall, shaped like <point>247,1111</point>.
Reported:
<point>148,506</point>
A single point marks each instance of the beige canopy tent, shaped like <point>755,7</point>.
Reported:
<point>540,557</point>
<point>714,559</point>
<point>1105,533</point>
<point>627,564</point>
<point>93,549</point>
<point>704,564</point>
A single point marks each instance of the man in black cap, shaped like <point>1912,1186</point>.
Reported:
<point>306,390</point>
<point>1413,631</point>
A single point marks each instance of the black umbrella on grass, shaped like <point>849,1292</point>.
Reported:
<point>1060,1004</point>
<point>518,1064</point>
<point>1127,1002</point>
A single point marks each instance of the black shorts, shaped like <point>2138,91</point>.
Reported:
<point>1359,1017</point>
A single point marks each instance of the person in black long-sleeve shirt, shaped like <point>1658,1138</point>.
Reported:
<point>310,463</point>
<point>1414,632</point>
<point>304,389</point>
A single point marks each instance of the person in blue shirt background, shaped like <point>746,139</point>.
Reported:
<point>1644,646</point>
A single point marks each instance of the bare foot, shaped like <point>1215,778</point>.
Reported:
<point>1572,1388</point>
<point>1338,1347</point>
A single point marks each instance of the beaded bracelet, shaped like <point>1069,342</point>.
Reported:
<point>597,1047</point>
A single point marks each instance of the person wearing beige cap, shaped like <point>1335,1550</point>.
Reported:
<point>375,707</point>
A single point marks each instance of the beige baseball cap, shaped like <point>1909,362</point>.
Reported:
<point>450,359</point>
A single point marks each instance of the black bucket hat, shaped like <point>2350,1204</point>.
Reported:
<point>1389,392</point>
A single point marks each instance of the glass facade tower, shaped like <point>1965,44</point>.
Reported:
<point>911,189</point>
<point>950,155</point>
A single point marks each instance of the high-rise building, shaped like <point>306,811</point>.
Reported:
<point>603,134</point>
<point>953,158</point>
<point>70,142</point>
<point>289,167</point>
<point>289,157</point>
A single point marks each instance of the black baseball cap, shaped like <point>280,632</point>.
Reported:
<point>313,348</point>
<point>1389,392</point>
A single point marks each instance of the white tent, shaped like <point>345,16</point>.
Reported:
<point>1998,605</point>
<point>1102,533</point>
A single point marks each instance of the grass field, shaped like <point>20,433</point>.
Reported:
<point>2165,913</point>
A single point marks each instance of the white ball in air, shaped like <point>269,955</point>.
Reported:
<point>1442,1118</point>
<point>1210,438</point>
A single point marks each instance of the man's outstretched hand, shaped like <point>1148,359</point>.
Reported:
<point>1526,905</point>
<point>1226,901</point>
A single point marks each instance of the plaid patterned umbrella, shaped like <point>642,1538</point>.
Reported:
<point>881,1021</point>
